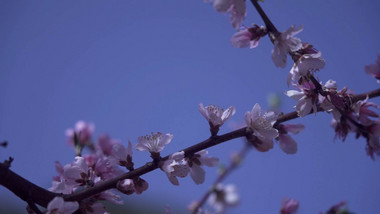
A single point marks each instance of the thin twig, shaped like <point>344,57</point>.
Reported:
<point>233,165</point>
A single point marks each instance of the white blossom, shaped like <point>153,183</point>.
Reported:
<point>261,124</point>
<point>153,143</point>
<point>285,43</point>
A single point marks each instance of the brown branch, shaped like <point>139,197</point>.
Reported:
<point>23,188</point>
<point>32,193</point>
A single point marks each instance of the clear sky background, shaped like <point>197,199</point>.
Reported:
<point>136,67</point>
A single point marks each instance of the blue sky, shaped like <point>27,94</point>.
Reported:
<point>136,67</point>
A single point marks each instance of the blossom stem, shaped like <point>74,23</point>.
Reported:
<point>268,23</point>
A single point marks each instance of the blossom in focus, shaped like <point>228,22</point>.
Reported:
<point>289,206</point>
<point>374,69</point>
<point>285,43</point>
<point>84,132</point>
<point>175,166</point>
<point>236,9</point>
<point>153,143</point>
<point>261,125</point>
<point>287,143</point>
<point>216,116</point>
<point>310,61</point>
<point>195,162</point>
<point>248,37</point>
<point>59,206</point>
<point>307,98</point>
<point>223,197</point>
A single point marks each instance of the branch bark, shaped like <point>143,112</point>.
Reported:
<point>34,194</point>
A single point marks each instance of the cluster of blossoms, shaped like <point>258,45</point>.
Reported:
<point>106,160</point>
<point>348,116</point>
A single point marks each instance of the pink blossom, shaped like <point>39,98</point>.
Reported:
<point>362,111</point>
<point>373,139</point>
<point>287,143</point>
<point>76,173</point>
<point>305,65</point>
<point>140,185</point>
<point>58,205</point>
<point>289,206</point>
<point>307,98</point>
<point>236,9</point>
<point>175,166</point>
<point>105,166</point>
<point>84,132</point>
<point>126,186</point>
<point>261,125</point>
<point>285,43</point>
<point>223,197</point>
<point>123,155</point>
<point>196,161</point>
<point>153,143</point>
<point>248,37</point>
<point>374,69</point>
<point>261,145</point>
<point>338,208</point>
<point>216,116</point>
<point>105,144</point>
<point>94,208</point>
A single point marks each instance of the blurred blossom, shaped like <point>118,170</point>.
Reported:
<point>236,9</point>
<point>248,37</point>
<point>153,143</point>
<point>223,197</point>
<point>373,141</point>
<point>362,111</point>
<point>126,186</point>
<point>287,143</point>
<point>59,206</point>
<point>289,206</point>
<point>374,69</point>
<point>193,205</point>
<point>140,185</point>
<point>123,155</point>
<point>285,43</point>
<point>339,208</point>
<point>84,132</point>
<point>95,208</point>
<point>105,144</point>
